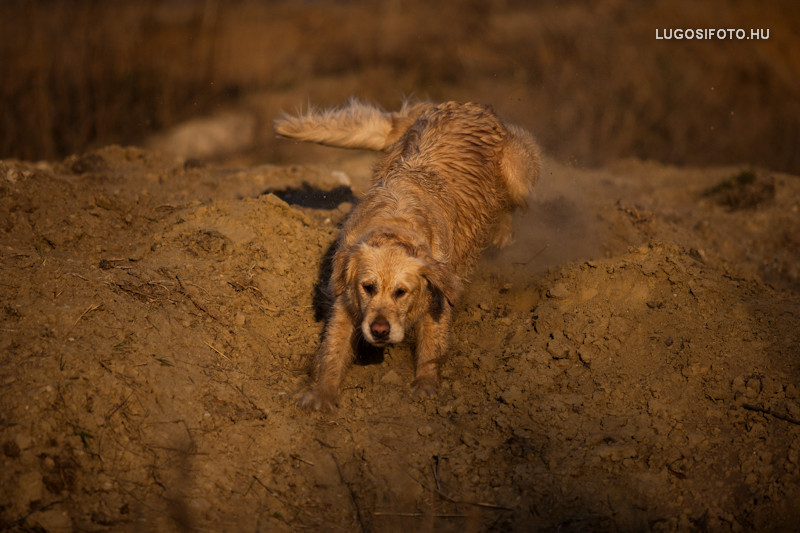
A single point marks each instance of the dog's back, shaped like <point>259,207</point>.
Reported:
<point>472,168</point>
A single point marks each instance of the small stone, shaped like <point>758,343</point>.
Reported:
<point>558,291</point>
<point>512,396</point>
<point>586,354</point>
<point>11,449</point>
<point>771,388</point>
<point>754,384</point>
<point>55,519</point>
<point>425,430</point>
<point>392,378</point>
<point>793,456</point>
<point>200,504</point>
<point>616,453</point>
<point>30,488</point>
<point>558,348</point>
<point>469,439</point>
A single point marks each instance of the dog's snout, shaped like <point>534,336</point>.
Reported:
<point>380,328</point>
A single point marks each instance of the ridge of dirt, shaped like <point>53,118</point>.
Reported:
<point>630,363</point>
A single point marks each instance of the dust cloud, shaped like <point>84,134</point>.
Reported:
<point>561,224</point>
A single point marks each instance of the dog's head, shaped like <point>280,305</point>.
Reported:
<point>391,284</point>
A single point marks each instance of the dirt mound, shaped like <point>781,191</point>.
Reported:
<point>630,363</point>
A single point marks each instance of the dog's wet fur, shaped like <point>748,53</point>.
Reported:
<point>451,176</point>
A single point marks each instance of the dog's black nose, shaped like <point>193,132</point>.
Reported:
<point>380,328</point>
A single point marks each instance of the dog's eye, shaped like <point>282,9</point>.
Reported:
<point>369,288</point>
<point>398,293</point>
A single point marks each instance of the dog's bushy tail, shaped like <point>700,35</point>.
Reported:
<point>354,125</point>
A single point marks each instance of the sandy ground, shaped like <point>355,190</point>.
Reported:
<point>631,363</point>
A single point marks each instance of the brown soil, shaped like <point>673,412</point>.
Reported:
<point>631,363</point>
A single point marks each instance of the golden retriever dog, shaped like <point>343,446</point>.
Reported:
<point>445,189</point>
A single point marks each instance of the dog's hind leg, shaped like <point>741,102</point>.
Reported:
<point>502,233</point>
<point>520,164</point>
<point>334,356</point>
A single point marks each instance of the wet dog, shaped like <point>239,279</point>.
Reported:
<point>450,178</point>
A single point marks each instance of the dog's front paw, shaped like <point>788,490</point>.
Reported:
<point>316,400</point>
<point>423,387</point>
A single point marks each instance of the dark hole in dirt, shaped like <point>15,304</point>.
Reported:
<point>307,196</point>
<point>742,191</point>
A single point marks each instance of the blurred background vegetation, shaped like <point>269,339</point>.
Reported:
<point>590,79</point>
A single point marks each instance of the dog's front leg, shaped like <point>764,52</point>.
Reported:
<point>433,336</point>
<point>334,355</point>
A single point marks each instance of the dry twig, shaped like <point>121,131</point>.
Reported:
<point>352,493</point>
<point>183,291</point>
<point>219,352</point>
<point>450,499</point>
<point>93,307</point>
<point>779,416</point>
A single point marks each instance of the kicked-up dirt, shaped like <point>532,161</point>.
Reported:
<point>632,362</point>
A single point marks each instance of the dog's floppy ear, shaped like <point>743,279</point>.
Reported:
<point>342,271</point>
<point>442,280</point>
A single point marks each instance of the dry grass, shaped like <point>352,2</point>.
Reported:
<point>590,79</point>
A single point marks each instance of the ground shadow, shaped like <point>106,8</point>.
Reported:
<point>307,196</point>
